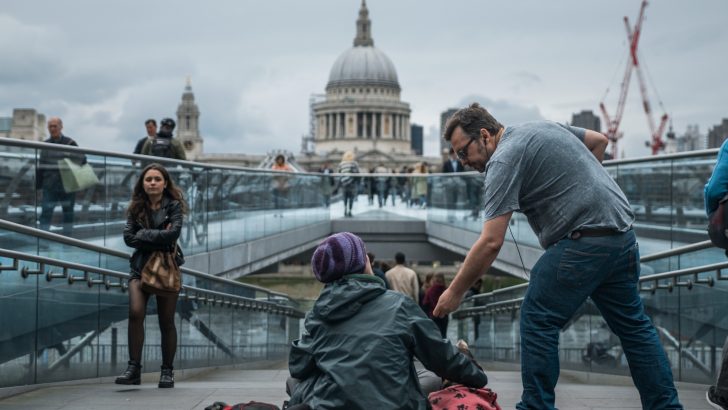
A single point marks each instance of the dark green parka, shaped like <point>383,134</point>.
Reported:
<point>358,346</point>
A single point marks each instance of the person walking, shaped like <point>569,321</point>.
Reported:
<point>715,190</point>
<point>437,286</point>
<point>452,186</point>
<point>280,185</point>
<point>154,222</point>
<point>48,178</point>
<point>151,126</point>
<point>552,174</point>
<point>164,145</point>
<point>348,182</point>
<point>403,279</point>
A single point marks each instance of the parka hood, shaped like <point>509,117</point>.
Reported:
<point>343,298</point>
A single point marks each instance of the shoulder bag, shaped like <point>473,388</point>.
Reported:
<point>718,225</point>
<point>161,275</point>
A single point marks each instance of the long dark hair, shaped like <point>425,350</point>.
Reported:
<point>139,206</point>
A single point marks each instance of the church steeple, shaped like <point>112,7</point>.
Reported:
<point>188,117</point>
<point>363,27</point>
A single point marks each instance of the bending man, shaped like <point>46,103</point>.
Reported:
<point>552,174</point>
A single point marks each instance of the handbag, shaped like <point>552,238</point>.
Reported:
<point>161,274</point>
<point>76,177</point>
<point>718,225</point>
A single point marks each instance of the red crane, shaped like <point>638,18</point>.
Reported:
<point>613,132</point>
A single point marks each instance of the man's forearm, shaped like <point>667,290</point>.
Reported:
<point>479,259</point>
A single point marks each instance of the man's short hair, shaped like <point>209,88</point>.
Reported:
<point>471,119</point>
<point>399,258</point>
<point>151,121</point>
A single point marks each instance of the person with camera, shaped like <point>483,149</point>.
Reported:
<point>154,222</point>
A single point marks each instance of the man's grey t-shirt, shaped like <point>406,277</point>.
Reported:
<point>544,170</point>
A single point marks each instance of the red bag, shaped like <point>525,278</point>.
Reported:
<point>251,405</point>
<point>459,396</point>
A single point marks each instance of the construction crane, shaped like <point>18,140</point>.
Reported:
<point>613,132</point>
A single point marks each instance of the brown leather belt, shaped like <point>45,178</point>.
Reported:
<point>594,232</point>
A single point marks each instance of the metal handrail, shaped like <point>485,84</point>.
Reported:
<point>135,157</point>
<point>514,304</point>
<point>677,251</point>
<point>26,230</point>
<point>664,157</point>
<point>648,258</point>
<point>189,292</point>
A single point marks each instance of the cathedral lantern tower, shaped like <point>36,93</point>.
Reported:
<point>188,129</point>
<point>362,110</point>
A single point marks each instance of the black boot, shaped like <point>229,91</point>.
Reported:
<point>132,374</point>
<point>166,378</point>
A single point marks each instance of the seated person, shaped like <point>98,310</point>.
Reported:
<point>360,340</point>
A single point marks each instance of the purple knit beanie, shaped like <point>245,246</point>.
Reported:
<point>340,254</point>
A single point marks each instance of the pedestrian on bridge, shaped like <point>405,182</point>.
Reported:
<point>715,193</point>
<point>552,174</point>
<point>154,222</point>
<point>48,178</point>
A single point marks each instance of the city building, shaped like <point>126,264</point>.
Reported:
<point>444,116</point>
<point>691,140</point>
<point>361,111</point>
<point>417,139</point>
<point>587,119</point>
<point>718,134</point>
<point>25,124</point>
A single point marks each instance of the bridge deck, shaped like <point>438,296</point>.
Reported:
<point>235,386</point>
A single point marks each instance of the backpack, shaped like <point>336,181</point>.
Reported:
<point>162,147</point>
<point>718,225</point>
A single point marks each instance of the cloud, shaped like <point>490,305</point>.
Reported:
<point>504,111</point>
<point>26,54</point>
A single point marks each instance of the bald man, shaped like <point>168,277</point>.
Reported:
<point>48,177</point>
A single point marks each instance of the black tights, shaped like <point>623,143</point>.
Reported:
<point>166,306</point>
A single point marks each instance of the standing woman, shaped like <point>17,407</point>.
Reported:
<point>154,222</point>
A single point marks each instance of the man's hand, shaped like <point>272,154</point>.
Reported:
<point>596,143</point>
<point>477,262</point>
<point>449,302</point>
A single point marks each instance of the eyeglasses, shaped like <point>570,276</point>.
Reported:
<point>462,153</point>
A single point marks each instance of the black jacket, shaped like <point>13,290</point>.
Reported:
<point>358,345</point>
<point>47,175</point>
<point>447,167</point>
<point>146,240</point>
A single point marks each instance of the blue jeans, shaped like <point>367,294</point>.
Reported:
<point>50,199</point>
<point>606,269</point>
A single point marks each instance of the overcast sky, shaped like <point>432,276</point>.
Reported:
<point>105,67</point>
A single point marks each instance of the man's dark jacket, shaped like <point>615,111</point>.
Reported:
<point>447,167</point>
<point>47,175</point>
<point>358,346</point>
